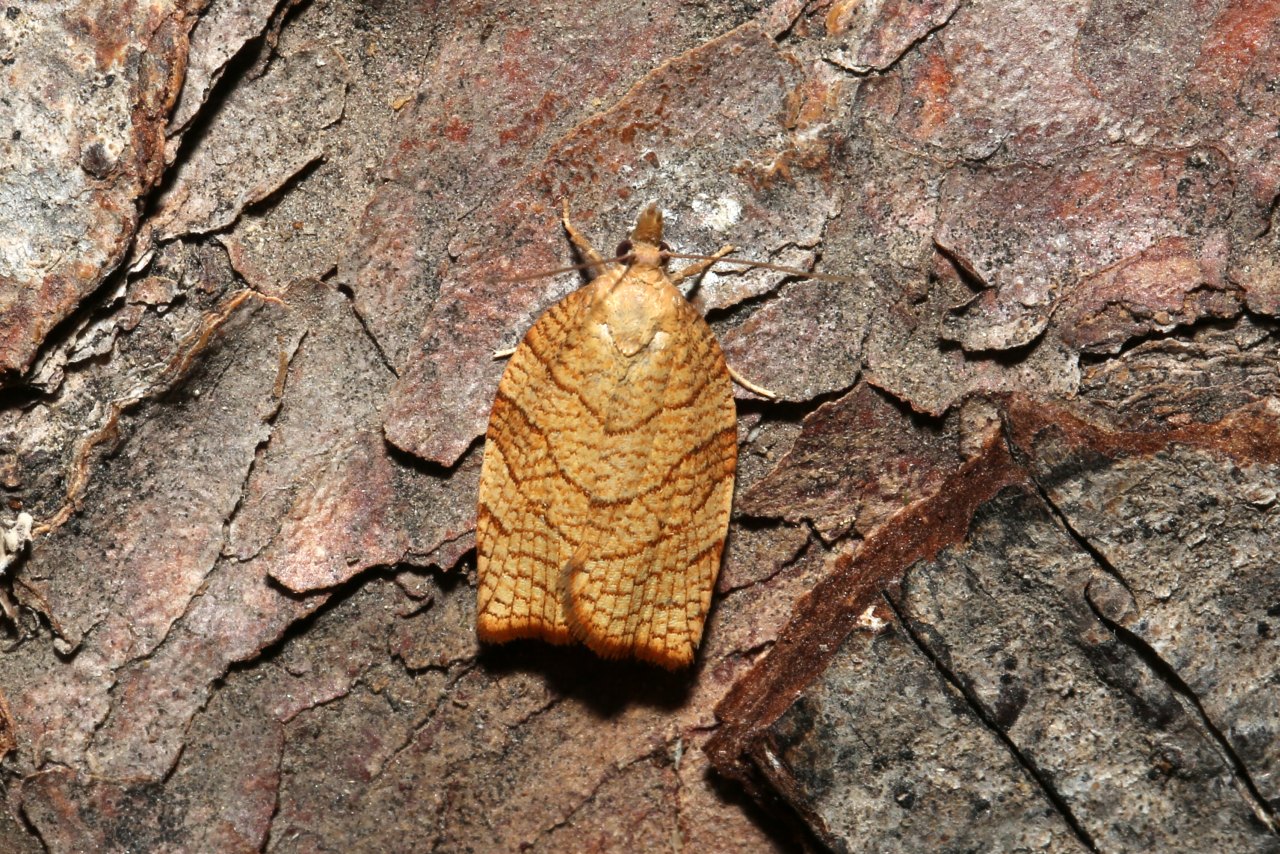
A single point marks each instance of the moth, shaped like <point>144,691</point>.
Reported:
<point>609,464</point>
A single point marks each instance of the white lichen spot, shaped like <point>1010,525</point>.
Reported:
<point>721,214</point>
<point>872,623</point>
<point>14,536</point>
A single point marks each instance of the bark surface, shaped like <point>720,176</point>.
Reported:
<point>1001,570</point>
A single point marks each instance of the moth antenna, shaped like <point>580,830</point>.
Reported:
<point>558,270</point>
<point>795,271</point>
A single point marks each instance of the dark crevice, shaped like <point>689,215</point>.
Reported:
<point>902,54</point>
<point>1167,674</point>
<point>798,827</point>
<point>20,813</point>
<point>1041,779</point>
<point>1183,331</point>
<point>329,598</point>
<point>165,778</point>
<point>430,467</point>
<point>736,265</point>
<point>284,14</point>
<point>22,397</point>
<point>750,654</point>
<point>790,411</point>
<point>350,295</point>
<point>258,451</point>
<point>444,666</point>
<point>1008,357</point>
<point>785,34</point>
<point>926,422</point>
<point>275,196</point>
<point>748,304</point>
<point>32,623</point>
<point>851,70</point>
<point>96,304</point>
<point>782,824</point>
<point>427,561</point>
<point>1269,220</point>
<point>1079,539</point>
<point>815,536</point>
<point>1265,322</point>
<point>246,64</point>
<point>777,570</point>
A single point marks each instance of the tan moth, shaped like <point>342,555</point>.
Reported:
<point>609,464</point>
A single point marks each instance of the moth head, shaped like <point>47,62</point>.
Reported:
<point>646,238</point>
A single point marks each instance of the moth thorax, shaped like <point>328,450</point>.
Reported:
<point>633,313</point>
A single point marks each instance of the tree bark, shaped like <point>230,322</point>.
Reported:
<point>1001,573</point>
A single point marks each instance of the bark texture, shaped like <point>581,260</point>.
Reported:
<point>1001,574</point>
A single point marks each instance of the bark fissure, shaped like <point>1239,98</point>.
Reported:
<point>1041,779</point>
<point>1187,696</point>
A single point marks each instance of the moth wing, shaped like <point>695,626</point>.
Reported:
<point>644,585</point>
<point>520,550</point>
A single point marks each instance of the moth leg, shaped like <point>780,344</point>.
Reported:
<point>503,354</point>
<point>699,267</point>
<point>750,386</point>
<point>584,247</point>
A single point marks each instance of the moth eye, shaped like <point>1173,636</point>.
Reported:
<point>624,248</point>
<point>665,250</point>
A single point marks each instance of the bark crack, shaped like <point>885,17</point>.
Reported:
<point>612,772</point>
<point>1042,779</point>
<point>278,393</point>
<point>782,567</point>
<point>1163,670</point>
<point>1245,784</point>
<point>1080,540</point>
<point>862,72</point>
<point>368,333</point>
<point>446,696</point>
